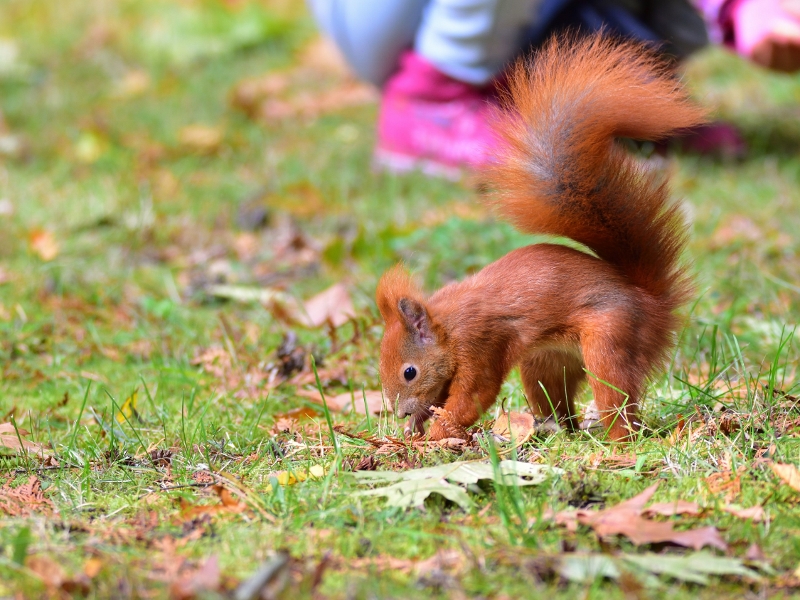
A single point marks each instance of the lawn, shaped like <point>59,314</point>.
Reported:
<point>178,180</point>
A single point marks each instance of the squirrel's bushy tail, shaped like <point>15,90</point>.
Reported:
<point>563,173</point>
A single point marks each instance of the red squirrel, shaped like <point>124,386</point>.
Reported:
<point>560,314</point>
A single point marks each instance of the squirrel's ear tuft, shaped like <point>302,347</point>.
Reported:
<point>395,284</point>
<point>416,319</point>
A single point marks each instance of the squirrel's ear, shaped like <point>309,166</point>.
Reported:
<point>396,283</point>
<point>416,319</point>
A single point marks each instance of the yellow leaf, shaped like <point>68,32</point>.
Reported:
<point>292,477</point>
<point>89,147</point>
<point>127,412</point>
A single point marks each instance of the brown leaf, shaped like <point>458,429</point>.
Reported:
<point>754,552</point>
<point>52,574</point>
<point>332,307</point>
<point>756,513</point>
<point>49,571</point>
<point>9,439</point>
<point>453,443</point>
<point>693,538</point>
<point>228,504</point>
<point>43,244</point>
<point>788,473</point>
<point>679,507</point>
<point>24,499</point>
<point>367,463</point>
<point>514,426</point>
<point>725,482</point>
<point>299,413</point>
<point>284,425</point>
<point>442,561</point>
<point>92,567</point>
<point>204,578</point>
<point>343,403</point>
<point>625,519</point>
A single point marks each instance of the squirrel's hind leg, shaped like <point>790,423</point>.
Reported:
<point>617,375</point>
<point>551,379</point>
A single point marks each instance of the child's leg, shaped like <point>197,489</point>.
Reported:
<point>371,34</point>
<point>472,40</point>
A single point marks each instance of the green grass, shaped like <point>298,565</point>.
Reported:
<point>144,222</point>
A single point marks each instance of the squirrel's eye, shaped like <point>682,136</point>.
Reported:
<point>410,373</point>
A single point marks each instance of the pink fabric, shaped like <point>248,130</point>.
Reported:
<point>431,121</point>
<point>715,13</point>
<point>768,32</point>
<point>764,31</point>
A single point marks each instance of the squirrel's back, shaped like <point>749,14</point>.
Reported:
<point>562,172</point>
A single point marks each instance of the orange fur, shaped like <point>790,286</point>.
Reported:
<point>557,312</point>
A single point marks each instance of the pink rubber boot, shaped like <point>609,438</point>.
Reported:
<point>768,32</point>
<point>432,122</point>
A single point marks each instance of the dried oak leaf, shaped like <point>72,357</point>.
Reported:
<point>755,513</point>
<point>10,439</point>
<point>679,507</point>
<point>193,582</point>
<point>330,307</point>
<point>626,519</point>
<point>52,574</point>
<point>343,403</point>
<point>788,474</point>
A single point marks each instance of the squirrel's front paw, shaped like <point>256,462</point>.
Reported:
<point>445,426</point>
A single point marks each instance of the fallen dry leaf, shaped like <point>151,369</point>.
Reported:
<point>343,403</point>
<point>726,483</point>
<point>754,552</point>
<point>92,567</point>
<point>228,504</point>
<point>788,474</point>
<point>756,513</point>
<point>43,244</point>
<point>191,583</point>
<point>514,426</point>
<point>331,307</point>
<point>10,439</point>
<point>443,560</point>
<point>24,499</point>
<point>679,507</point>
<point>48,570</point>
<point>626,519</point>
